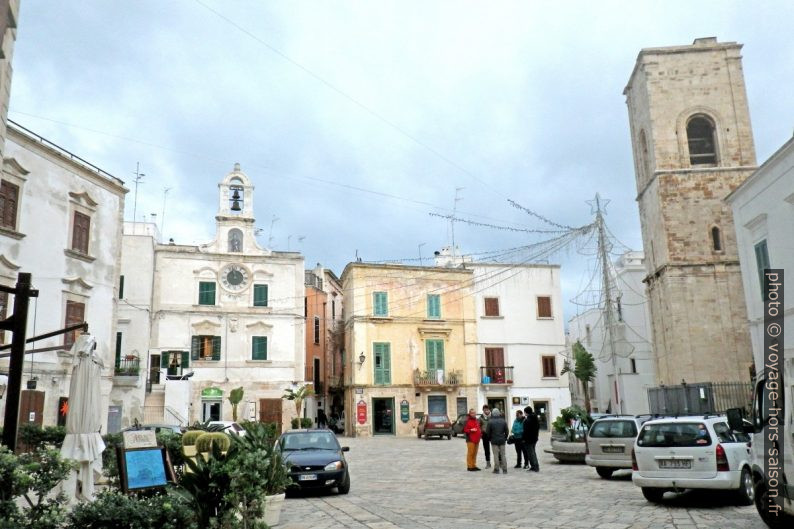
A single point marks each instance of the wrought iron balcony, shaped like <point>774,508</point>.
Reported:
<point>128,367</point>
<point>336,381</point>
<point>496,374</point>
<point>437,377</point>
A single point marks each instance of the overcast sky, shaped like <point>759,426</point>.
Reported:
<point>357,119</point>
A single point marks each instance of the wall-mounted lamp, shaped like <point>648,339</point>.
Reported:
<point>361,358</point>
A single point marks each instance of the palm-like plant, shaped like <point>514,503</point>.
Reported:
<point>235,397</point>
<point>583,370</point>
<point>298,396</point>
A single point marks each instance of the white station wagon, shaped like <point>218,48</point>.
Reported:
<point>702,452</point>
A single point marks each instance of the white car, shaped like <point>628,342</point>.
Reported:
<point>610,441</point>
<point>699,452</point>
<point>230,427</point>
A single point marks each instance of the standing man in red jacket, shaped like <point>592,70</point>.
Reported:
<point>473,433</point>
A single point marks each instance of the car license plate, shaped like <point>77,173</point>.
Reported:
<point>307,477</point>
<point>675,463</point>
<point>612,449</point>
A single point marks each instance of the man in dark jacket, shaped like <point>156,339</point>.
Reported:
<point>497,431</point>
<point>530,436</point>
<point>486,439</point>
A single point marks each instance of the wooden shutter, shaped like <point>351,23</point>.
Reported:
<point>260,295</point>
<point>382,353</point>
<point>164,359</point>
<point>195,345</point>
<point>544,307</point>
<point>75,313</point>
<point>216,347</point>
<point>381,304</point>
<point>549,367</point>
<point>435,355</point>
<point>9,198</point>
<point>80,232</point>
<point>492,306</point>
<point>185,359</point>
<point>494,357</point>
<point>433,306</point>
<point>206,293</point>
<point>259,348</point>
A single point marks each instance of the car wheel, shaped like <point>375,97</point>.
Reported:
<point>605,472</point>
<point>652,494</point>
<point>781,521</point>
<point>344,488</point>
<point>746,492</point>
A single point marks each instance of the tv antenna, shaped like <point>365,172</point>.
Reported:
<point>270,237</point>
<point>138,177</point>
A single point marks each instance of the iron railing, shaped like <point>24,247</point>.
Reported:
<point>700,398</point>
<point>153,414</point>
<point>336,381</point>
<point>128,367</point>
<point>438,377</point>
<point>496,374</point>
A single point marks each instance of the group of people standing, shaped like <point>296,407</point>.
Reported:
<point>491,428</point>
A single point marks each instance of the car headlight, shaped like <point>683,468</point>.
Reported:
<point>336,465</point>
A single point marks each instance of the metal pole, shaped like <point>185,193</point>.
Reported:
<point>20,319</point>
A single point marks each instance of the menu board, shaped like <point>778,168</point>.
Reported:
<point>145,468</point>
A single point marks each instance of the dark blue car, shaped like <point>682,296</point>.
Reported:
<point>315,459</point>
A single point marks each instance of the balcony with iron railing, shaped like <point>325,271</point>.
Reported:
<point>126,371</point>
<point>496,374</point>
<point>336,382</point>
<point>437,378</point>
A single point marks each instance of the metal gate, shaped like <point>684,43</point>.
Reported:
<point>699,398</point>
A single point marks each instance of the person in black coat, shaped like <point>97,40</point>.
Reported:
<point>530,437</point>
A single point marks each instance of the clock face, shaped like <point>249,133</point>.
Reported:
<point>234,277</point>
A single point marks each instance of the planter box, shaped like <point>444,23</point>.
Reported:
<point>567,452</point>
<point>273,508</point>
<point>125,380</point>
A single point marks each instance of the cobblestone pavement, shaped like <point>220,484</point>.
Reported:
<point>408,482</point>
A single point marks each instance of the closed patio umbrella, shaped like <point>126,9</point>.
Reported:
<point>83,442</point>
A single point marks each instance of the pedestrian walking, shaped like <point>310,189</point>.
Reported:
<point>473,432</point>
<point>530,436</point>
<point>322,420</point>
<point>517,431</point>
<point>497,432</point>
<point>486,440</point>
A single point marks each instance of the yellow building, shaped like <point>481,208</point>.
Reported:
<point>410,346</point>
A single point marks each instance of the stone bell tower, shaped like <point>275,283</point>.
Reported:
<point>235,218</point>
<point>693,145</point>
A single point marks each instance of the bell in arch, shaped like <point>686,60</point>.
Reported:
<point>236,201</point>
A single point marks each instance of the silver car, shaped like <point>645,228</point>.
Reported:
<point>610,440</point>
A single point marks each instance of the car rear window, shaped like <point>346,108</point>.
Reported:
<point>674,434</point>
<point>438,418</point>
<point>613,429</point>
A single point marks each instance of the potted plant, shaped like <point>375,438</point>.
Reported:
<point>276,483</point>
<point>568,435</point>
<point>206,485</point>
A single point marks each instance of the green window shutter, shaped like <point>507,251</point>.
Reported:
<point>121,287</point>
<point>206,293</point>
<point>185,359</point>
<point>382,354</point>
<point>381,304</point>
<point>118,348</point>
<point>433,306</point>
<point>386,362</point>
<point>216,347</point>
<point>164,359</point>
<point>194,348</point>
<point>259,348</point>
<point>435,354</point>
<point>260,295</point>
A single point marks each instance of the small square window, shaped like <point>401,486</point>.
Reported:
<point>260,295</point>
<point>492,306</point>
<point>549,367</point>
<point>205,347</point>
<point>544,307</point>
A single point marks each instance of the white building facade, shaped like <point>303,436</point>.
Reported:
<point>763,213</point>
<point>222,315</point>
<point>62,223</point>
<point>623,378</point>
<point>520,338</point>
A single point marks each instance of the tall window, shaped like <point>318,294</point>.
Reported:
<point>260,295</point>
<point>207,293</point>
<point>700,137</point>
<point>495,364</point>
<point>205,347</point>
<point>316,372</point>
<point>75,314</point>
<point>259,348</point>
<point>433,306</point>
<point>544,307</point>
<point>333,309</point>
<point>434,350</point>
<point>549,367</point>
<point>121,287</point>
<point>716,239</point>
<point>316,329</point>
<point>492,306</point>
<point>380,303</point>
<point>118,348</point>
<point>81,230</point>
<point>9,198</point>
<point>235,240</point>
<point>762,262</point>
<point>382,355</point>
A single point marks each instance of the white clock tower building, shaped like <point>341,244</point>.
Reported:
<point>223,315</point>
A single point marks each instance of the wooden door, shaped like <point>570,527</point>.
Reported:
<point>270,411</point>
<point>495,364</point>
<point>31,411</point>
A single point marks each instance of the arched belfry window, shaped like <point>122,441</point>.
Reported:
<point>235,240</point>
<point>716,239</point>
<point>702,141</point>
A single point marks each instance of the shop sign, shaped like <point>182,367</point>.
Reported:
<point>361,412</point>
<point>404,412</point>
<point>211,393</point>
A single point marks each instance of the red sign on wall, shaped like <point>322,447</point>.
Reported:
<point>361,412</point>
